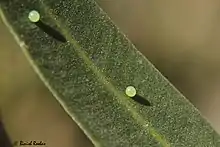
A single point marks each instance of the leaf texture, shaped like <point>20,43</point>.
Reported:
<point>88,75</point>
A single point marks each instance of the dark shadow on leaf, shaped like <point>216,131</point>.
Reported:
<point>51,31</point>
<point>139,99</point>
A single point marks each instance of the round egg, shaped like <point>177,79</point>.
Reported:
<point>130,91</point>
<point>34,16</point>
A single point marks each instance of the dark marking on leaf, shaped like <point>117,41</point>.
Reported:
<point>51,31</point>
<point>139,99</point>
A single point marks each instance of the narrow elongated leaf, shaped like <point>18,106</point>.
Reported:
<point>87,63</point>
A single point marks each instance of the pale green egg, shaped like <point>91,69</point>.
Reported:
<point>130,91</point>
<point>34,16</point>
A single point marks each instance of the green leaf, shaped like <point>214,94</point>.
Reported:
<point>89,73</point>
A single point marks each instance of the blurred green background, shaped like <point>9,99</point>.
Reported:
<point>180,38</point>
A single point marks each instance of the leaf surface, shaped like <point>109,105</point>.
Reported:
<point>88,75</point>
